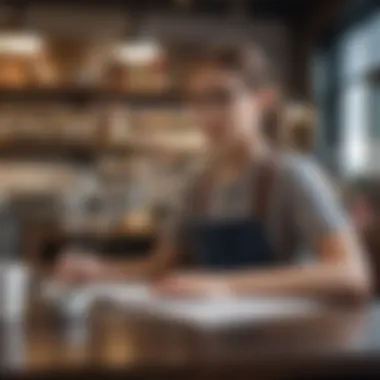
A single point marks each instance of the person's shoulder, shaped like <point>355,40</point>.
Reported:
<point>293,163</point>
<point>295,167</point>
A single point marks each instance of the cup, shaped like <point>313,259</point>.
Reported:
<point>14,283</point>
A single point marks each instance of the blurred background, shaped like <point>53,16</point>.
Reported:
<point>95,133</point>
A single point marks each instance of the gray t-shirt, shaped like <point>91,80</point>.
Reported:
<point>302,205</point>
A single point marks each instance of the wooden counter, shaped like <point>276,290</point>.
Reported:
<point>114,343</point>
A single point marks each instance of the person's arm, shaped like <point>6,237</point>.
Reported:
<point>340,269</point>
<point>172,241</point>
<point>339,272</point>
<point>80,266</point>
<point>159,263</point>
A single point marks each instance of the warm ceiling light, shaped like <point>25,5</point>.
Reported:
<point>12,43</point>
<point>138,52</point>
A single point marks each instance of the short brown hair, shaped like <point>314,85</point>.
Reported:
<point>252,64</point>
<point>248,60</point>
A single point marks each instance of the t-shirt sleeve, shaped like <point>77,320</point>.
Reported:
<point>317,209</point>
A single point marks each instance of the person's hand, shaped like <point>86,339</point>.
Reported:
<point>77,267</point>
<point>190,285</point>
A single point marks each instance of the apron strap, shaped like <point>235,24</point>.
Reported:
<point>265,179</point>
<point>201,192</point>
<point>260,202</point>
<point>265,186</point>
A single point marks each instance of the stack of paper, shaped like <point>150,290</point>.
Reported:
<point>208,313</point>
<point>228,312</point>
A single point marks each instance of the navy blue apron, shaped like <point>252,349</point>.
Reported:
<point>235,244</point>
<point>232,245</point>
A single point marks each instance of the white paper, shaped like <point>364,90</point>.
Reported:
<point>203,313</point>
<point>229,312</point>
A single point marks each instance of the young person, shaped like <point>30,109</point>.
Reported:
<point>248,212</point>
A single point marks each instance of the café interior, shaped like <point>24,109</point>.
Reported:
<point>96,139</point>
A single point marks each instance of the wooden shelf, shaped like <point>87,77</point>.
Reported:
<point>144,145</point>
<point>86,94</point>
<point>40,148</point>
<point>82,150</point>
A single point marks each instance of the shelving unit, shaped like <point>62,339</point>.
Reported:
<point>90,148</point>
<point>127,127</point>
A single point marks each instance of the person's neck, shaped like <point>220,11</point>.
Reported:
<point>242,152</point>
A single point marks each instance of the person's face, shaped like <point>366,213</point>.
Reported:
<point>226,109</point>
